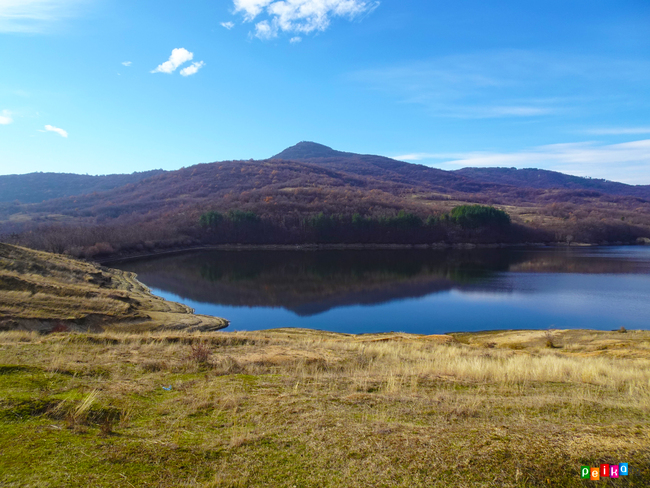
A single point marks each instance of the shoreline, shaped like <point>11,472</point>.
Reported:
<point>70,295</point>
<point>345,247</point>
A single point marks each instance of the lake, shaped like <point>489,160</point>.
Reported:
<point>417,291</point>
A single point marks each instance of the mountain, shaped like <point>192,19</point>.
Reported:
<point>379,170</point>
<point>299,184</point>
<point>38,187</point>
<point>310,150</point>
<point>540,178</point>
<point>470,180</point>
<point>333,184</point>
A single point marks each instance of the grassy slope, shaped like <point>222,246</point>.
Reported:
<point>42,291</point>
<point>307,408</point>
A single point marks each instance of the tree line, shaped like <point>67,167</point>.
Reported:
<point>474,223</point>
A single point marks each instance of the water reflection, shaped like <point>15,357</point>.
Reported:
<point>407,289</point>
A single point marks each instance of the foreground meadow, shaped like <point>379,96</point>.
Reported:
<point>308,408</point>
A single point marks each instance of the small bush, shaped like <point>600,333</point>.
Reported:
<point>199,353</point>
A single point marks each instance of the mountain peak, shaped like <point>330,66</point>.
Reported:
<point>310,150</point>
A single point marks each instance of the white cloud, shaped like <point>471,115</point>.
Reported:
<point>178,57</point>
<point>51,128</point>
<point>5,118</point>
<point>192,69</point>
<point>264,30</point>
<point>299,16</point>
<point>227,25</point>
<point>127,63</point>
<point>417,156</point>
<point>251,8</point>
<point>628,162</point>
<point>34,16</point>
<point>296,39</point>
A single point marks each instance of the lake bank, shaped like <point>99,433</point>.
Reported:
<point>47,292</point>
<point>342,247</point>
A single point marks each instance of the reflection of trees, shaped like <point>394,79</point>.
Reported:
<point>309,282</point>
<point>313,281</point>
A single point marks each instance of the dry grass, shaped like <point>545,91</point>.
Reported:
<point>307,408</point>
<point>48,292</point>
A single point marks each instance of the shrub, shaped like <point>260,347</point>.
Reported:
<point>199,353</point>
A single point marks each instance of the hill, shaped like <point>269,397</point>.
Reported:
<point>38,187</point>
<point>47,292</point>
<point>540,178</point>
<point>310,150</point>
<point>308,196</point>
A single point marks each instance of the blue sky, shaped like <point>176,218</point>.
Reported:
<point>112,86</point>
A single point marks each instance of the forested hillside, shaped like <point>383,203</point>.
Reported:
<point>37,187</point>
<point>313,194</point>
<point>540,178</point>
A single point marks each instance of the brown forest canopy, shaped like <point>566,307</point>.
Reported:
<point>38,187</point>
<point>307,180</point>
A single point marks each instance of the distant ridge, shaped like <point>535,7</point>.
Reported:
<point>546,179</point>
<point>39,187</point>
<point>301,182</point>
<point>311,150</point>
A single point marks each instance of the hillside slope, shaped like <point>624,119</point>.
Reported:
<point>38,187</point>
<point>45,292</point>
<point>541,178</point>
<point>317,178</point>
<point>164,210</point>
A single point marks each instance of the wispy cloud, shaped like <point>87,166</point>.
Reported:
<point>61,132</point>
<point>127,63</point>
<point>422,156</point>
<point>510,83</point>
<point>227,25</point>
<point>5,117</point>
<point>299,16</point>
<point>628,162</point>
<point>178,57</point>
<point>36,16</point>
<point>619,131</point>
<point>295,39</point>
<point>192,69</point>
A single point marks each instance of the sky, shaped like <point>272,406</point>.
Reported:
<point>116,86</point>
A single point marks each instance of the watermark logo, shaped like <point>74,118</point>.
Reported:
<point>603,471</point>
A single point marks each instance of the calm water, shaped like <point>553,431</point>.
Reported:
<point>420,291</point>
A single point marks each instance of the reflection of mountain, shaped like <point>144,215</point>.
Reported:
<point>312,282</point>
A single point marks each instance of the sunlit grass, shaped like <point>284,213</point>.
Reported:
<point>307,408</point>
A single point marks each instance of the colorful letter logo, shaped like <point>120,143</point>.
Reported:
<point>603,471</point>
<point>595,474</point>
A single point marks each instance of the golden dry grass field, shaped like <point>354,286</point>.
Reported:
<point>305,408</point>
